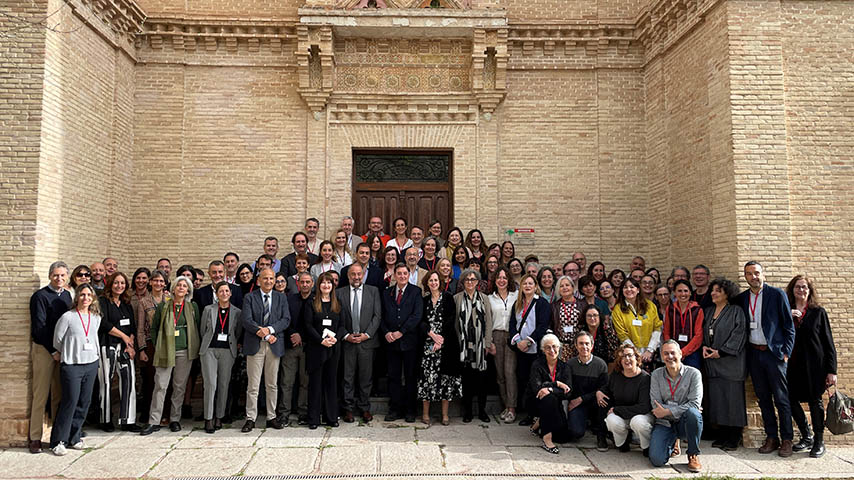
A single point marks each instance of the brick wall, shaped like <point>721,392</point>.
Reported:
<point>22,70</point>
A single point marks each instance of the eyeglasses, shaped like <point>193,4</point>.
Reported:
<point>492,262</point>
<point>281,281</point>
<point>471,279</point>
<point>83,274</point>
<point>592,315</point>
<point>551,347</point>
<point>628,355</point>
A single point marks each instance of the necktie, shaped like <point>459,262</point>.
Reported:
<point>399,295</point>
<point>355,311</point>
<point>266,307</point>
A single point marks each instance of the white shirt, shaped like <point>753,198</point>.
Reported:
<point>313,246</point>
<point>501,310</point>
<point>400,249</point>
<point>757,336</point>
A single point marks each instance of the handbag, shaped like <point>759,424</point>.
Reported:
<point>840,414</point>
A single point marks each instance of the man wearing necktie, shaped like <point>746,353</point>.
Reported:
<point>265,314</point>
<point>402,309</point>
<point>361,304</point>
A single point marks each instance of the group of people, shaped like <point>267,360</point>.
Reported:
<point>574,348</point>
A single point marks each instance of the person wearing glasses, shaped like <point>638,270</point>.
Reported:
<point>549,384</point>
<point>474,329</point>
<point>80,274</point>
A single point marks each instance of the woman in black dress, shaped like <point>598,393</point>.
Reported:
<point>441,371</point>
<point>323,327</point>
<point>812,367</point>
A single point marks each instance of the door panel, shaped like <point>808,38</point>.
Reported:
<point>418,208</point>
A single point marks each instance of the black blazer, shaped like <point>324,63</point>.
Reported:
<point>450,353</point>
<point>375,277</point>
<point>404,317</point>
<point>289,266</point>
<point>313,325</point>
<point>252,316</point>
<point>205,296</point>
<point>777,323</point>
<point>544,318</point>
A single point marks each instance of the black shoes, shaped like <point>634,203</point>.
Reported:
<point>805,444</point>
<point>526,422</point>
<point>108,427</point>
<point>817,449</point>
<point>627,446</point>
<point>392,416</point>
<point>130,427</point>
<point>248,426</point>
<point>209,426</point>
<point>148,429</point>
<point>218,424</point>
<point>410,418</point>
<point>312,426</point>
<point>275,423</point>
<point>483,417</point>
<point>174,427</point>
<point>602,443</point>
<point>467,418</point>
<point>333,424</point>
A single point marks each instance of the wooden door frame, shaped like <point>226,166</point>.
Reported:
<point>415,187</point>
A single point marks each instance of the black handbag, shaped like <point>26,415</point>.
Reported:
<point>840,414</point>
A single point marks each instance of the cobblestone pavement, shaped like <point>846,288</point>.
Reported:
<point>386,450</point>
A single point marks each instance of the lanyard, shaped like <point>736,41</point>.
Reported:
<point>635,312</point>
<point>671,387</point>
<point>553,373</point>
<point>88,323</point>
<point>566,308</point>
<point>432,266</point>
<point>682,316</point>
<point>222,320</point>
<point>753,306</point>
<point>526,307</point>
<point>177,312</point>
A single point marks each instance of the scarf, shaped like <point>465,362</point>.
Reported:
<point>472,325</point>
<point>164,350</point>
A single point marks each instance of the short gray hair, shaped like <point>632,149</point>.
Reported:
<point>547,338</point>
<point>670,342</point>
<point>469,271</point>
<point>55,265</point>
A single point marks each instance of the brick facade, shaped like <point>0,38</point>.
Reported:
<point>684,130</point>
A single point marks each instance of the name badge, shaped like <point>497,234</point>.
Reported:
<point>711,331</point>
<point>754,325</point>
<point>672,403</point>
<point>567,329</point>
<point>327,322</point>
<point>124,322</point>
<point>222,337</point>
<point>683,338</point>
<point>177,333</point>
<point>637,322</point>
<point>88,346</point>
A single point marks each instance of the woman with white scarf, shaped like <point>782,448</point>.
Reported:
<point>474,329</point>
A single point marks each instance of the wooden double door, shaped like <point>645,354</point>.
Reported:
<point>412,185</point>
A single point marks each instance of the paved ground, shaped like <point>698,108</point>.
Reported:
<point>385,450</point>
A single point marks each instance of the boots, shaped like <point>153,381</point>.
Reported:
<point>806,439</point>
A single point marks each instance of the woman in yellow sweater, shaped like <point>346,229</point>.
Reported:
<point>636,321</point>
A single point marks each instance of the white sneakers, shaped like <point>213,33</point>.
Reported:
<point>79,445</point>
<point>59,450</point>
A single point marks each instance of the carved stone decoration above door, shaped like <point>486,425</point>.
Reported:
<point>403,51</point>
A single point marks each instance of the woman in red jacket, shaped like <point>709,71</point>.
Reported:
<point>683,322</point>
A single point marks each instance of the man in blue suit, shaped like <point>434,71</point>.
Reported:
<point>265,315</point>
<point>771,337</point>
<point>402,305</point>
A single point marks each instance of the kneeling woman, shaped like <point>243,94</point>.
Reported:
<point>550,379</point>
<point>175,334</point>
<point>75,339</point>
<point>221,329</point>
<point>323,327</point>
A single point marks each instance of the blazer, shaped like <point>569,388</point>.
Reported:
<point>403,318</point>
<point>375,277</point>
<point>420,276</point>
<point>208,326</point>
<point>315,353</point>
<point>777,324</point>
<point>252,316</point>
<point>730,337</point>
<point>370,313</point>
<point>289,265</point>
<point>543,320</point>
<point>205,296</point>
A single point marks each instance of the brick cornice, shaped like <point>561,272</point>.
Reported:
<point>665,22</point>
<point>119,22</point>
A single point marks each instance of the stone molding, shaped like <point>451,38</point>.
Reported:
<point>120,22</point>
<point>403,109</point>
<point>665,22</point>
<point>212,34</point>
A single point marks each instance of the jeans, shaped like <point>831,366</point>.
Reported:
<point>689,425</point>
<point>78,381</point>
<point>578,416</point>
<point>769,381</point>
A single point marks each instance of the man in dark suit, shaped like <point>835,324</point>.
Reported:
<point>205,296</point>
<point>364,309</point>
<point>402,305</point>
<point>300,242</point>
<point>265,314</point>
<point>371,274</point>
<point>294,359</point>
<point>771,337</point>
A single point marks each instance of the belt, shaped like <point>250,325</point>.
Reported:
<point>761,348</point>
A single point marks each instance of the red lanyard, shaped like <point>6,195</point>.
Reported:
<point>682,316</point>
<point>566,308</point>
<point>672,389</point>
<point>432,265</point>
<point>177,312</point>
<point>753,306</point>
<point>88,323</point>
<point>554,372</point>
<point>222,321</point>
<point>526,307</point>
